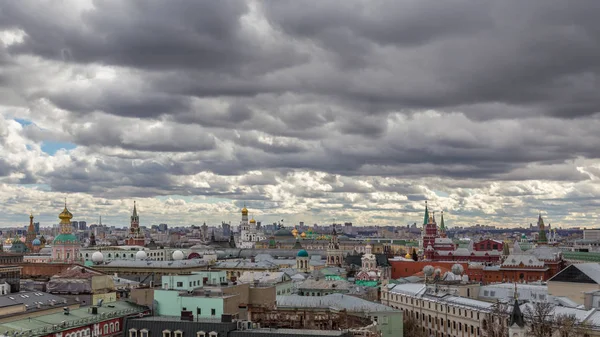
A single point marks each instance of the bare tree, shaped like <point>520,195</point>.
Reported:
<point>569,326</point>
<point>495,324</point>
<point>412,327</point>
<point>541,322</point>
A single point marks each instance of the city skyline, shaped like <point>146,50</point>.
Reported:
<point>353,111</point>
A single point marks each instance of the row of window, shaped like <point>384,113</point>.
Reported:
<point>169,333</point>
<point>437,306</point>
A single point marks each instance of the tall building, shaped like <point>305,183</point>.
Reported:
<point>136,237</point>
<point>542,239</point>
<point>335,256</point>
<point>30,236</point>
<point>65,247</point>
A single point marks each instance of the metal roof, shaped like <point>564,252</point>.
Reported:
<point>337,301</point>
<point>46,324</point>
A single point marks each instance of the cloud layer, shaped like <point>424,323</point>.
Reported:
<point>354,111</point>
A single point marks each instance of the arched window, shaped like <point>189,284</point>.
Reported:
<point>117,326</point>
<point>144,333</point>
<point>166,333</point>
<point>178,333</point>
<point>105,329</point>
<point>133,333</point>
<point>112,327</point>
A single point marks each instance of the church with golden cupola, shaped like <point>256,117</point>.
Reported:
<point>65,247</point>
<point>249,232</point>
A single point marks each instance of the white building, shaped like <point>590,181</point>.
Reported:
<point>249,234</point>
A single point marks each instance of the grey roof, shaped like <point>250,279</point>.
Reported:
<point>325,284</point>
<point>156,324</point>
<point>336,301</point>
<point>154,264</point>
<point>31,299</point>
<point>248,253</point>
<point>287,332</point>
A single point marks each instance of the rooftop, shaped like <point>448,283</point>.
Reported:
<point>334,301</point>
<point>31,299</point>
<point>46,324</point>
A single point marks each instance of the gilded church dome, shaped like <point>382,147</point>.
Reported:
<point>65,214</point>
<point>244,211</point>
<point>252,220</point>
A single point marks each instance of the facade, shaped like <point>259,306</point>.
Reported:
<point>224,326</point>
<point>11,275</point>
<point>136,236</point>
<point>65,247</point>
<point>335,256</point>
<point>186,292</point>
<point>440,313</point>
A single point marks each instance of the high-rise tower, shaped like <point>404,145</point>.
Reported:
<point>136,237</point>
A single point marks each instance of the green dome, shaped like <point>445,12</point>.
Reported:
<point>65,239</point>
<point>302,253</point>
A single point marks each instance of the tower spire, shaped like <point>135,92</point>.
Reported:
<point>426,218</point>
<point>516,317</point>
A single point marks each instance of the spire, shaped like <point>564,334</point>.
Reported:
<point>426,218</point>
<point>134,209</point>
<point>516,317</point>
<point>442,226</point>
<point>542,239</point>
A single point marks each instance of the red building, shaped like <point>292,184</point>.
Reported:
<point>437,247</point>
<point>541,263</point>
<point>489,245</point>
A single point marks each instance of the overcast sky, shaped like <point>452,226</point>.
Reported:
<point>354,110</point>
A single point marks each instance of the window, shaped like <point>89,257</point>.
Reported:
<point>213,312</point>
<point>213,334</point>
<point>178,333</point>
<point>144,333</point>
<point>166,333</point>
<point>132,333</point>
<point>180,284</point>
<point>105,328</point>
<point>200,334</point>
<point>116,326</point>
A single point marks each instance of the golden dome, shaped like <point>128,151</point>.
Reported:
<point>408,256</point>
<point>65,215</point>
<point>244,211</point>
<point>303,235</point>
<point>252,220</point>
<point>294,231</point>
<point>8,241</point>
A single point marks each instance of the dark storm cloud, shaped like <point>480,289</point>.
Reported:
<point>202,95</point>
<point>142,34</point>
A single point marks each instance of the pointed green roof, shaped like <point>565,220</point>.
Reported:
<point>442,226</point>
<point>542,235</point>
<point>426,218</point>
